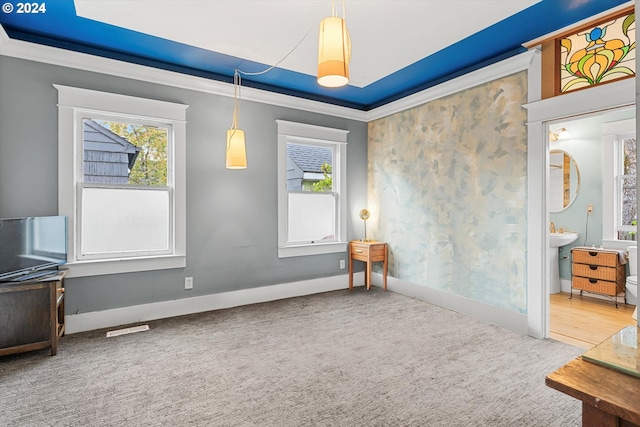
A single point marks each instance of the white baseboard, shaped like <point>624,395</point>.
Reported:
<point>507,319</point>
<point>83,322</point>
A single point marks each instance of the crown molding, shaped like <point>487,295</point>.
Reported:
<point>495,71</point>
<point>82,61</point>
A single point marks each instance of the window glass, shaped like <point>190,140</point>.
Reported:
<point>598,54</point>
<point>121,221</point>
<point>309,167</point>
<point>125,198</point>
<point>628,196</point>
<point>124,153</point>
<point>311,217</point>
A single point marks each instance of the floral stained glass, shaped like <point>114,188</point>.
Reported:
<point>599,54</point>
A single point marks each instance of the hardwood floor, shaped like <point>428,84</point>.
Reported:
<point>585,321</point>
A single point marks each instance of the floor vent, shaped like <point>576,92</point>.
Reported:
<point>127,331</point>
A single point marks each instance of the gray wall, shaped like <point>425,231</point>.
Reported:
<point>231,214</point>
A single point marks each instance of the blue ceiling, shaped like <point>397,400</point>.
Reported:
<point>60,27</point>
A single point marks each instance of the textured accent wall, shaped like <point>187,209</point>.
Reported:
<point>447,189</point>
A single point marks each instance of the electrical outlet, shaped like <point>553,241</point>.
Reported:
<point>589,209</point>
<point>342,264</point>
<point>188,282</point>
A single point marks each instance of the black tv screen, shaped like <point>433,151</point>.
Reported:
<point>31,244</point>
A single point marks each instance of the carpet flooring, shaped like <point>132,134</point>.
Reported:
<point>360,358</point>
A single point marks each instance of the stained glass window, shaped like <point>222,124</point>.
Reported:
<point>599,54</point>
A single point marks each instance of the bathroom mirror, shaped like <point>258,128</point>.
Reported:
<point>564,180</point>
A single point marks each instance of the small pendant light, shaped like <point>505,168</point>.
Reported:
<point>236,150</point>
<point>334,50</point>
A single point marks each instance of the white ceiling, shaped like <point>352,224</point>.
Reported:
<point>386,35</point>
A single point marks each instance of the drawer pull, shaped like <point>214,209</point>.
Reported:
<point>358,251</point>
<point>61,290</point>
<point>593,281</point>
<point>593,267</point>
<point>593,253</point>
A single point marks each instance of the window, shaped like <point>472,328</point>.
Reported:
<point>598,53</point>
<point>121,181</point>
<point>312,190</point>
<point>626,187</point>
<point>619,181</point>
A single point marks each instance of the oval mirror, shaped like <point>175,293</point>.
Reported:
<point>564,180</point>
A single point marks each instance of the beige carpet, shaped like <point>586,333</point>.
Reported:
<point>361,358</point>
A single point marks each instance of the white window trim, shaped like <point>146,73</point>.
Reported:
<point>611,133</point>
<point>317,134</point>
<point>71,101</point>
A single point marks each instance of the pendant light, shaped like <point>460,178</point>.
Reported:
<point>334,50</point>
<point>236,150</point>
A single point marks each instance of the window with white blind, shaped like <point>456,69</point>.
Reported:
<point>122,181</point>
<point>311,190</point>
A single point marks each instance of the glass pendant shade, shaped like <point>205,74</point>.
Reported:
<point>334,52</point>
<point>236,151</point>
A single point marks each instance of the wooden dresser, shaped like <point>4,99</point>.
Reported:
<point>31,315</point>
<point>597,270</point>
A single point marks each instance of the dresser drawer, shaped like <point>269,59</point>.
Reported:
<point>595,285</point>
<point>595,271</point>
<point>583,256</point>
<point>359,251</point>
<point>368,251</point>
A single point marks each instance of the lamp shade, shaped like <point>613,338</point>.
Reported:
<point>334,52</point>
<point>236,151</point>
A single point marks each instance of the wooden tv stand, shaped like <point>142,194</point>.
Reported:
<point>31,315</point>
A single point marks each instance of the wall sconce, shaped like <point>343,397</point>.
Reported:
<point>364,216</point>
<point>563,133</point>
<point>236,149</point>
<point>334,50</point>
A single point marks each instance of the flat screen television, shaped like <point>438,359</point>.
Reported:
<point>32,247</point>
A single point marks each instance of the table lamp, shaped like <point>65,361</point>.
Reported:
<point>364,216</point>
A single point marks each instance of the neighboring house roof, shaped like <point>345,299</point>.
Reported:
<point>98,138</point>
<point>309,158</point>
<point>108,158</point>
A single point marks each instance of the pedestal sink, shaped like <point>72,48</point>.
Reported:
<point>560,239</point>
<point>556,240</point>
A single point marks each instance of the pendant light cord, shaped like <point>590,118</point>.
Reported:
<point>237,85</point>
<point>257,73</point>
<point>237,73</point>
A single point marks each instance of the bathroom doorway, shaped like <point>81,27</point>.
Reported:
<point>580,207</point>
<point>542,116</point>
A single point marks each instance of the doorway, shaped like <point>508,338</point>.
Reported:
<point>597,102</point>
<point>584,212</point>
